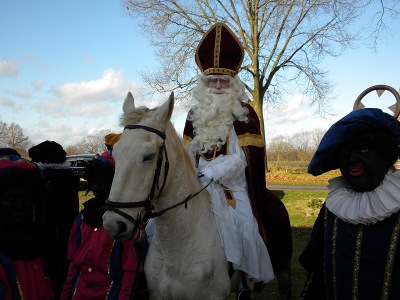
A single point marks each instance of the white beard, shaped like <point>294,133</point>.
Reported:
<point>213,118</point>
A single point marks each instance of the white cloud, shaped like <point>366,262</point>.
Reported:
<point>293,111</point>
<point>22,93</point>
<point>86,107</point>
<point>110,87</point>
<point>51,109</point>
<point>8,69</point>
<point>6,102</point>
<point>37,84</point>
<point>61,132</point>
<point>89,98</point>
<point>100,109</point>
<point>296,116</point>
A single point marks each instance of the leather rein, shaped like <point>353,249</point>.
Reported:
<point>146,204</point>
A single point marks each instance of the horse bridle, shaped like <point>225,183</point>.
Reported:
<point>146,204</point>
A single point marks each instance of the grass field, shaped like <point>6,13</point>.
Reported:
<point>302,216</point>
<point>303,211</point>
<point>302,178</point>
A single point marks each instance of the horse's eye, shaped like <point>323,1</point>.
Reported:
<point>149,157</point>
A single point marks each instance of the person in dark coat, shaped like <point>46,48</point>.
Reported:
<point>354,252</point>
<point>62,206</point>
<point>23,274</point>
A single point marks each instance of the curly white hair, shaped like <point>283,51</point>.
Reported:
<point>214,113</point>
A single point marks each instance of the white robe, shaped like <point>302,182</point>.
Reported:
<point>237,227</point>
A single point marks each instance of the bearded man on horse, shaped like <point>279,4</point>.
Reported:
<point>222,133</point>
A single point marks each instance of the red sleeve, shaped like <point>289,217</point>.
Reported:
<point>73,269</point>
<point>129,268</point>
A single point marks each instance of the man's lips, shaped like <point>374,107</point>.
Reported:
<point>356,171</point>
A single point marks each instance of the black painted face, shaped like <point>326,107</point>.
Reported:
<point>17,208</point>
<point>101,188</point>
<point>99,176</point>
<point>362,165</point>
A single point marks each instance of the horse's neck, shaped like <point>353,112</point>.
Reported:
<point>182,226</point>
<point>181,183</point>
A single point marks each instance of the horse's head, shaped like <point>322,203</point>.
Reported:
<point>141,167</point>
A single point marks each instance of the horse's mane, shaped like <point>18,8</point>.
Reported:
<point>135,116</point>
<point>178,142</point>
<point>142,113</point>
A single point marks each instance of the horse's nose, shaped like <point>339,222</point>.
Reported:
<point>121,227</point>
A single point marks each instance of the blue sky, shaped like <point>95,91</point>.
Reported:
<point>66,66</point>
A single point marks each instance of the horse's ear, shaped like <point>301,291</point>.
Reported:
<point>129,103</point>
<point>164,112</point>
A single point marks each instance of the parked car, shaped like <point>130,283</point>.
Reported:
<point>78,165</point>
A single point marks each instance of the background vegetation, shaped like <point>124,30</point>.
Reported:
<point>303,208</point>
<point>284,43</point>
<point>284,153</point>
<point>12,136</point>
<point>295,173</point>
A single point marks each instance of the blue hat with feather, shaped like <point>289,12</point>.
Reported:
<point>350,127</point>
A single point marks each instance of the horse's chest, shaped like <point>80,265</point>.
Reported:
<point>183,275</point>
<point>188,281</point>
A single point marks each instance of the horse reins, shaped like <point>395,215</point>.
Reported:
<point>146,204</point>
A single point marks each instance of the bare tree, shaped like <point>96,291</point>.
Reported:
<point>301,142</point>
<point>300,146</point>
<point>284,42</point>
<point>388,9</point>
<point>94,143</point>
<point>73,150</point>
<point>3,132</point>
<point>280,149</point>
<point>13,136</point>
<point>316,137</point>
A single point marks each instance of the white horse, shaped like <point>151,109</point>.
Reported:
<point>185,259</point>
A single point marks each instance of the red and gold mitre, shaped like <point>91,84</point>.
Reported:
<point>219,51</point>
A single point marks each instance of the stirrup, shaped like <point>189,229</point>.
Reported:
<point>246,294</point>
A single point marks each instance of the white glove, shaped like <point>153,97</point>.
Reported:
<point>226,169</point>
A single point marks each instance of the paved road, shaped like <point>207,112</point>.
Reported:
<point>273,187</point>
